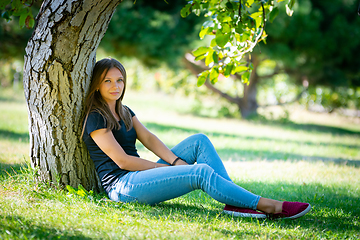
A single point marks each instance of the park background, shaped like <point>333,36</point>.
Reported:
<point>301,143</point>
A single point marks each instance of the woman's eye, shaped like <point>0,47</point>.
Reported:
<point>120,80</point>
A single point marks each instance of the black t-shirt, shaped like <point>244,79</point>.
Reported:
<point>106,168</point>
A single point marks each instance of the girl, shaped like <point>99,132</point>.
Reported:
<point>110,132</point>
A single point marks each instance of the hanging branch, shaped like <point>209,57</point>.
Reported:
<point>253,44</point>
<point>240,6</point>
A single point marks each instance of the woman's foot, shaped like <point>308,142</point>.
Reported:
<point>243,212</point>
<point>291,210</point>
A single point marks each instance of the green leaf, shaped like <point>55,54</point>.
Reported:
<point>196,9</point>
<point>22,20</point>
<point>209,58</point>
<point>273,14</point>
<point>239,29</point>
<point>6,16</point>
<point>201,51</point>
<point>200,57</point>
<point>239,69</point>
<point>245,77</point>
<point>185,11</point>
<point>29,22</point>
<point>289,12</point>
<point>71,189</point>
<point>244,37</point>
<point>203,32</point>
<point>291,4</point>
<point>214,74</point>
<point>222,40</point>
<point>213,42</point>
<point>228,69</point>
<point>16,5</point>
<point>202,78</point>
<point>215,57</point>
<point>4,3</point>
<point>226,28</point>
<point>249,2</point>
<point>226,19</point>
<point>256,15</point>
<point>229,5</point>
<point>82,191</point>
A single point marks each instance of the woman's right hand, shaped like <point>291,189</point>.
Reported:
<point>180,162</point>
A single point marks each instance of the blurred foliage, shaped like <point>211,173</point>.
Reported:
<point>317,47</point>
<point>15,15</point>
<point>11,73</point>
<point>328,99</point>
<point>152,31</point>
<point>321,41</point>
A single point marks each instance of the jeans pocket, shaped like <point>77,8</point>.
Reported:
<point>126,198</point>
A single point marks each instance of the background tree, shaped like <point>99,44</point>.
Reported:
<point>320,43</point>
<point>316,47</point>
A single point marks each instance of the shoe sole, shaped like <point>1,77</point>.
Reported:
<point>299,214</point>
<point>249,215</point>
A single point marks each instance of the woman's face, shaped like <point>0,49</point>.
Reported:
<point>112,87</point>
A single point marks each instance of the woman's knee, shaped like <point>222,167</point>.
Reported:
<point>203,170</point>
<point>201,138</point>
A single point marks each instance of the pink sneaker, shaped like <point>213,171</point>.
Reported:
<point>242,212</point>
<point>292,210</point>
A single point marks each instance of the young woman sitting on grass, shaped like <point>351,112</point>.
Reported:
<point>110,132</point>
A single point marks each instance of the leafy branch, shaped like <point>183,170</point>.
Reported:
<point>18,8</point>
<point>235,27</point>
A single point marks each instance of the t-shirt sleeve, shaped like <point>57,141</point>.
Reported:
<point>131,112</point>
<point>94,122</point>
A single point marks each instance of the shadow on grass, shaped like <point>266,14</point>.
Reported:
<point>287,124</point>
<point>14,136</point>
<point>332,207</point>
<point>18,227</point>
<point>268,155</point>
<point>8,170</point>
<point>227,153</point>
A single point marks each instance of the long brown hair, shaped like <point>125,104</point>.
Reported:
<point>95,102</point>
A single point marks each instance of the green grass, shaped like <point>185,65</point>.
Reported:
<point>313,159</point>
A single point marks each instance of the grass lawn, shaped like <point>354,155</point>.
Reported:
<point>311,157</point>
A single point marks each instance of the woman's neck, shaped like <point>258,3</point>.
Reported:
<point>112,107</point>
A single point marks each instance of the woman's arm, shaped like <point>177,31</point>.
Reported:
<point>154,144</point>
<point>108,144</point>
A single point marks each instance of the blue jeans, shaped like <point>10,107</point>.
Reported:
<point>160,184</point>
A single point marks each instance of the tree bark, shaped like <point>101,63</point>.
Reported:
<point>57,70</point>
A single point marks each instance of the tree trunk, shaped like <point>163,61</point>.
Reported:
<point>58,66</point>
<point>248,104</point>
